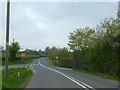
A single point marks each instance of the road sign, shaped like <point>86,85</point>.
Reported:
<point>23,54</point>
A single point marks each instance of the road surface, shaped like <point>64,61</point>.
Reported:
<point>15,66</point>
<point>48,76</point>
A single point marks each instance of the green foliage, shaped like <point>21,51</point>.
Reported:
<point>60,57</point>
<point>65,58</point>
<point>81,38</point>
<point>47,49</point>
<point>53,53</point>
<point>13,49</point>
<point>98,47</point>
<point>18,60</point>
<point>13,81</point>
<point>40,53</point>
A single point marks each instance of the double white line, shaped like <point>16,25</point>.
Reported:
<point>33,69</point>
<point>82,84</point>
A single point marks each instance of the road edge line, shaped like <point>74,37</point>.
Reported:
<point>33,68</point>
<point>64,76</point>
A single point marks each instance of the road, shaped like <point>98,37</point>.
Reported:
<point>15,66</point>
<point>48,76</point>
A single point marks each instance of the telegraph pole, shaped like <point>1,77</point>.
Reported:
<point>119,44</point>
<point>7,38</point>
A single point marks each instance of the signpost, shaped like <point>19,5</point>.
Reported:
<point>23,55</point>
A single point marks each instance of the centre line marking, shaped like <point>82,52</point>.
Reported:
<point>70,78</point>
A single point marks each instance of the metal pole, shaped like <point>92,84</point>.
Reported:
<point>7,39</point>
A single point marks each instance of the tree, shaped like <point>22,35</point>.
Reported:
<point>13,49</point>
<point>81,38</point>
<point>65,58</point>
<point>80,41</point>
<point>99,48</point>
<point>109,49</point>
<point>53,53</point>
<point>47,49</point>
<point>40,53</point>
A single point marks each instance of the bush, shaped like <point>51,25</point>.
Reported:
<point>66,63</point>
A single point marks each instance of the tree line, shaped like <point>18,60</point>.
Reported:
<point>60,56</point>
<point>15,53</point>
<point>92,49</point>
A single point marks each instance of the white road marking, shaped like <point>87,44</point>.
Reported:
<point>33,68</point>
<point>36,64</point>
<point>84,84</point>
<point>64,68</point>
<point>72,79</point>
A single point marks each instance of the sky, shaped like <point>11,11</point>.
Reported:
<point>36,25</point>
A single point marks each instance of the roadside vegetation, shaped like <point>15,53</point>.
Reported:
<point>13,81</point>
<point>60,57</point>
<point>95,50</point>
<point>19,57</point>
<point>19,60</point>
<point>0,79</point>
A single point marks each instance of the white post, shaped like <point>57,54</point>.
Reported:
<point>18,72</point>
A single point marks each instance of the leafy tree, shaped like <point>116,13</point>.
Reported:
<point>81,38</point>
<point>99,48</point>
<point>13,49</point>
<point>53,53</point>
<point>40,53</point>
<point>47,49</point>
<point>65,58</point>
<point>109,46</point>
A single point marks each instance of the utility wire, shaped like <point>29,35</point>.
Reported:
<point>101,6</point>
<point>109,7</point>
<point>112,3</point>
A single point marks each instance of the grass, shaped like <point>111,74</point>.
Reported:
<point>28,59</point>
<point>102,75</point>
<point>16,62</point>
<point>0,54</point>
<point>0,79</point>
<point>0,58</point>
<point>13,81</point>
<point>49,61</point>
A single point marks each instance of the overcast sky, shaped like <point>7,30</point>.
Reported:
<point>36,25</point>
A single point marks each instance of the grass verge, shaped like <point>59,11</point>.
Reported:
<point>16,62</point>
<point>26,61</point>
<point>102,75</point>
<point>13,81</point>
<point>49,61</point>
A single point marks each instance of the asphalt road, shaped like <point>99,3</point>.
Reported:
<point>16,66</point>
<point>48,76</point>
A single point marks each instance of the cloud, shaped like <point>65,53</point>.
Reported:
<point>37,25</point>
<point>41,26</point>
<point>31,14</point>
